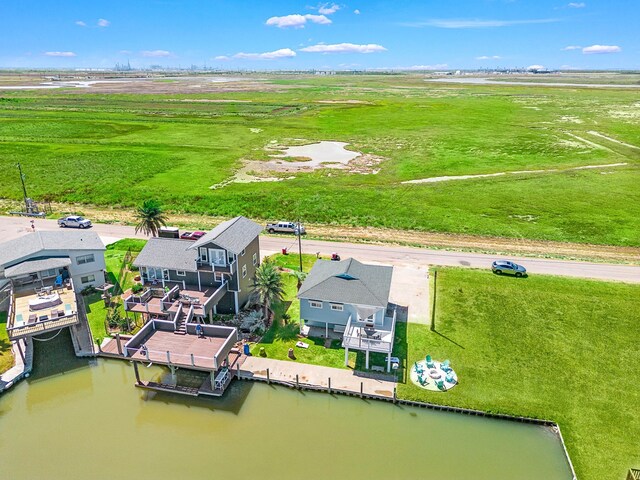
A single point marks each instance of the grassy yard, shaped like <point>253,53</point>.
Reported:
<point>545,347</point>
<point>113,256</point>
<point>6,357</point>
<point>73,148</point>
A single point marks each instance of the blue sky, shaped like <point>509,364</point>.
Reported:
<point>261,34</point>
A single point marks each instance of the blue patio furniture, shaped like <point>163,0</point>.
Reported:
<point>444,366</point>
<point>449,378</point>
<point>418,368</point>
<point>440,385</point>
<point>430,363</point>
<point>58,283</point>
<point>422,380</point>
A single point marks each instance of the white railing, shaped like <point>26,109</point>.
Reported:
<point>212,298</point>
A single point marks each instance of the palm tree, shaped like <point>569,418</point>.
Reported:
<point>268,284</point>
<point>150,217</point>
<point>300,277</point>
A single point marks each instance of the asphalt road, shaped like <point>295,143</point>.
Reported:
<point>13,227</point>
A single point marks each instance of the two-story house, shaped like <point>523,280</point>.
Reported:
<point>352,299</point>
<point>213,274</point>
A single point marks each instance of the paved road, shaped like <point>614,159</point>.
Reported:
<point>13,227</point>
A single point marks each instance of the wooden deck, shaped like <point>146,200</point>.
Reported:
<point>188,351</point>
<point>165,387</point>
<point>26,321</point>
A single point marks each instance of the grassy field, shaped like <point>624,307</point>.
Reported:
<point>6,357</point>
<point>545,347</point>
<point>116,149</point>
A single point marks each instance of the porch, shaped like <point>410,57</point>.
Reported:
<point>34,311</point>
<point>368,337</point>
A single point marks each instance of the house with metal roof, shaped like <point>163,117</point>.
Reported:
<point>213,274</point>
<point>44,271</point>
<point>352,299</point>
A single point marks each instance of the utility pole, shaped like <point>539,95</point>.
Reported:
<point>299,232</point>
<point>24,189</point>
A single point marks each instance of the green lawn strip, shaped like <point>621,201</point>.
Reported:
<point>6,356</point>
<point>545,347</point>
<point>114,256</point>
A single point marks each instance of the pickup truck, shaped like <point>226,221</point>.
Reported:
<point>285,227</point>
<point>74,221</point>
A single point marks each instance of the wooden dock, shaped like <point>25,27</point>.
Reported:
<point>165,387</point>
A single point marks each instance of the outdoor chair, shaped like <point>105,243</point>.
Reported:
<point>429,361</point>
<point>440,385</point>
<point>418,368</point>
<point>423,380</point>
<point>449,378</point>
<point>58,282</point>
<point>444,366</point>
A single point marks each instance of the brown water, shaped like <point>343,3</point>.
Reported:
<point>91,423</point>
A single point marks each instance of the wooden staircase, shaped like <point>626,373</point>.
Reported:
<point>181,325</point>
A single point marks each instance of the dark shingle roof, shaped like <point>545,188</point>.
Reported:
<point>170,253</point>
<point>233,235</point>
<point>55,240</point>
<point>348,281</point>
<point>32,266</point>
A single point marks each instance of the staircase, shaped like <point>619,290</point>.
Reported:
<point>181,323</point>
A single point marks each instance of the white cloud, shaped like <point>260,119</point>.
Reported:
<point>296,20</point>
<point>156,53</point>
<point>601,49</point>
<point>489,57</point>
<point>476,23</point>
<point>222,58</point>
<point>535,67</point>
<point>125,52</point>
<point>577,5</point>
<point>328,9</point>
<point>60,54</point>
<point>572,47</point>
<point>282,53</point>
<point>103,23</point>
<point>80,23</point>
<point>356,11</point>
<point>344,48</point>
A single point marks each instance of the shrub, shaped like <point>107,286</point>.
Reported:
<point>137,288</point>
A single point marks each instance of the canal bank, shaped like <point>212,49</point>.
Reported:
<point>72,421</point>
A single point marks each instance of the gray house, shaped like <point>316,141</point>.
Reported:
<point>213,275</point>
<point>352,299</point>
<point>43,272</point>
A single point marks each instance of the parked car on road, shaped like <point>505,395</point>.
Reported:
<point>285,227</point>
<point>510,268</point>
<point>74,222</point>
<point>192,235</point>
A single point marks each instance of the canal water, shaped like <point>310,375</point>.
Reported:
<point>87,421</point>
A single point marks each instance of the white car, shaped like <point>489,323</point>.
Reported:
<point>74,222</point>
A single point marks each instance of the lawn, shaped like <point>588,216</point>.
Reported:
<point>545,347</point>
<point>75,147</point>
<point>121,278</point>
<point>6,357</point>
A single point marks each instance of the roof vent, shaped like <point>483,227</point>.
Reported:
<point>346,276</point>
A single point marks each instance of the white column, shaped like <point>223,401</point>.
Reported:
<point>367,359</point>
<point>235,296</point>
<point>346,356</point>
<point>388,362</point>
<point>199,286</point>
<point>326,330</point>
<point>210,316</point>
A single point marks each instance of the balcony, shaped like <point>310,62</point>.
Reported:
<point>378,338</point>
<point>48,309</point>
<point>229,268</point>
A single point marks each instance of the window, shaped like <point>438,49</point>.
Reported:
<point>255,258</point>
<point>337,307</point>
<point>244,250</point>
<point>217,257</point>
<point>203,254</point>
<point>88,279</point>
<point>181,273</point>
<point>218,276</point>
<point>82,259</point>
<point>244,271</point>
<point>314,304</point>
<point>52,272</point>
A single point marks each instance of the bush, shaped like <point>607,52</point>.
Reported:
<point>88,290</point>
<point>137,288</point>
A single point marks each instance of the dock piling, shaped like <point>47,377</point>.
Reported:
<point>168,357</point>
<point>361,389</point>
<point>329,385</point>
<point>268,379</point>
<point>119,342</point>
<point>135,369</point>
<point>297,382</point>
<point>193,363</point>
